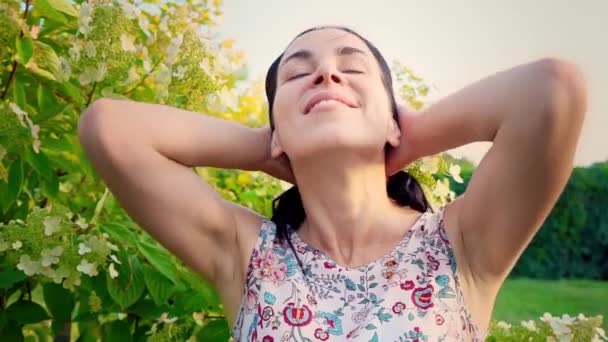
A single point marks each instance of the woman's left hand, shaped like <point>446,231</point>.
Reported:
<point>404,154</point>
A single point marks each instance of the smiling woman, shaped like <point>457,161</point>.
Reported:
<point>353,250</point>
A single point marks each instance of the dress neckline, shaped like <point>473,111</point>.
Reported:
<point>299,243</point>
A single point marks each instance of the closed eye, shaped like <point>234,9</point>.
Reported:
<point>298,76</point>
<point>352,71</point>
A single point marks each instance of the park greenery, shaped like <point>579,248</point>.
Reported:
<point>73,265</point>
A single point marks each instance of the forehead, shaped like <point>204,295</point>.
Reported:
<point>326,41</point>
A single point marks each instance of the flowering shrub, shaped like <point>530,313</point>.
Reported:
<point>550,328</point>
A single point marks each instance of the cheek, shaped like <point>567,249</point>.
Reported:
<point>285,103</point>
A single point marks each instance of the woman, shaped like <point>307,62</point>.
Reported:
<point>348,255</point>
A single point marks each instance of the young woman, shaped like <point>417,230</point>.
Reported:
<point>354,252</point>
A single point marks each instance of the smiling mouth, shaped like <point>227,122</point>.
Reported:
<point>326,104</point>
<point>325,100</point>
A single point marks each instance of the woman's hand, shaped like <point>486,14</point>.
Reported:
<point>277,167</point>
<point>405,153</point>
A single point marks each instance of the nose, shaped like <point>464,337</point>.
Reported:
<point>327,74</point>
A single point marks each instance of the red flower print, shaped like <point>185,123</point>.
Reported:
<point>266,265</point>
<point>398,307</point>
<point>408,285</point>
<point>388,274</point>
<point>422,297</point>
<point>267,338</point>
<point>322,335</point>
<point>439,320</point>
<point>295,316</point>
<point>328,265</point>
<point>390,263</point>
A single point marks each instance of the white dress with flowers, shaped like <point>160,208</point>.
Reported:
<point>411,294</point>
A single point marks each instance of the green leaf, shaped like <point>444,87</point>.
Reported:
<point>148,310</point>
<point>26,312</point>
<point>25,49</point>
<point>11,332</point>
<point>88,332</point>
<point>19,94</point>
<point>63,6</point>
<point>374,338</point>
<point>46,59</point>
<point>129,285</point>
<point>40,162</point>
<point>214,331</point>
<point>46,10</point>
<point>118,331</point>
<point>15,182</point>
<point>159,258</point>
<point>10,277</point>
<point>47,103</point>
<point>202,288</point>
<point>158,285</point>
<point>59,301</point>
<point>119,231</point>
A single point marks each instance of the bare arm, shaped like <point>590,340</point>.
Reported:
<point>143,153</point>
<point>533,113</point>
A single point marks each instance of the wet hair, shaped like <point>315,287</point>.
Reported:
<point>287,209</point>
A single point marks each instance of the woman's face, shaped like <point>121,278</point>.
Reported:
<point>330,97</point>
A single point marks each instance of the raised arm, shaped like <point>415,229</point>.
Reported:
<point>144,152</point>
<point>533,114</point>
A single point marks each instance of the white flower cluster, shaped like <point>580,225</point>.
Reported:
<point>441,189</point>
<point>562,328</point>
<point>53,248</point>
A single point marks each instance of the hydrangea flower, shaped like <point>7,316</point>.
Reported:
<point>83,249</point>
<point>84,20</point>
<point>87,267</point>
<point>127,42</point>
<point>4,245</point>
<point>27,265</point>
<point>112,271</point>
<point>17,245</point>
<point>51,225</point>
<point>50,256</point>
<point>530,325</point>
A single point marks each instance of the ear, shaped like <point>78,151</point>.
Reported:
<point>394,133</point>
<point>275,145</point>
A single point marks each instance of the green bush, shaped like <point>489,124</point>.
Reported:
<point>573,240</point>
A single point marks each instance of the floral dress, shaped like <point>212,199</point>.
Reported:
<point>410,294</point>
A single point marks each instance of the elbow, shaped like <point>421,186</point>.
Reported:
<point>566,90</point>
<point>94,123</point>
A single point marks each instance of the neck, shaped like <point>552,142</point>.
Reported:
<point>349,215</point>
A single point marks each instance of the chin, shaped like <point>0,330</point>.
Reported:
<point>330,139</point>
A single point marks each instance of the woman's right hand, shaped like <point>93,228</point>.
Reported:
<point>277,167</point>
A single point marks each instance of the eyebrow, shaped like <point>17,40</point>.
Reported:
<point>307,54</point>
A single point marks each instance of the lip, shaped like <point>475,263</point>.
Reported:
<point>327,96</point>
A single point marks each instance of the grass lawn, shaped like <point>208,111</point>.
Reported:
<point>523,299</point>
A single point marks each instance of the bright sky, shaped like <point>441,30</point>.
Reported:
<point>448,43</point>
